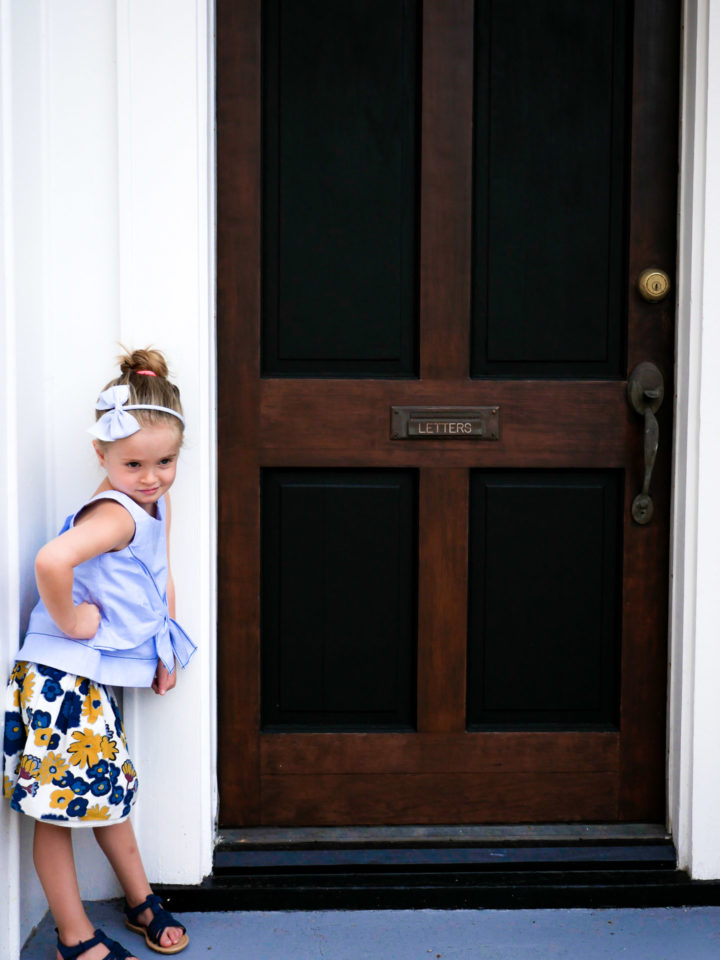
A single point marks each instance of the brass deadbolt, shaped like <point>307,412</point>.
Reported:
<point>653,284</point>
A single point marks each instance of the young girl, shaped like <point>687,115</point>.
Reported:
<point>103,618</point>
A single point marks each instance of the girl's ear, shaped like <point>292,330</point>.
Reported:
<point>100,453</point>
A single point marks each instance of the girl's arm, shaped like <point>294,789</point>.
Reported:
<point>165,681</point>
<point>105,526</point>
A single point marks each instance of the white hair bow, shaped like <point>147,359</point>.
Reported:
<point>117,423</point>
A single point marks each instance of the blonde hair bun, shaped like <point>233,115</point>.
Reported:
<point>147,359</point>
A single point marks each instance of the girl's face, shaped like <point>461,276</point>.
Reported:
<point>142,466</point>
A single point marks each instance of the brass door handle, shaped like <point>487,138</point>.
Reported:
<point>646,388</point>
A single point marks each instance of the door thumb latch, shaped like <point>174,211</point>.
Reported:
<point>646,389</point>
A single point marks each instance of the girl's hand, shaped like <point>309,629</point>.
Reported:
<point>104,525</point>
<point>164,680</point>
<point>87,621</point>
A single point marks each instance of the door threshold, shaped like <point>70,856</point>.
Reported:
<point>444,867</point>
<point>444,836</point>
<point>436,848</point>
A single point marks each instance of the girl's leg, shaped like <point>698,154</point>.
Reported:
<point>118,844</point>
<point>55,866</point>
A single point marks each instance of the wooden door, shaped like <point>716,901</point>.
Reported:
<point>442,204</point>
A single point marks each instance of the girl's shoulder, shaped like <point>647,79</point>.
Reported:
<point>139,515</point>
<point>113,506</point>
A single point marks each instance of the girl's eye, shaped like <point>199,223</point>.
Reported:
<point>165,461</point>
<point>132,463</point>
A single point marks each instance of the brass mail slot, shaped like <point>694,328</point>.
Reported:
<point>445,423</point>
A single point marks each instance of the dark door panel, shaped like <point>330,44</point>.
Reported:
<point>340,172</point>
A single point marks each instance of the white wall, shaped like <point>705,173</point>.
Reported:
<point>9,825</point>
<point>166,250</point>
<point>105,177</point>
<point>694,717</point>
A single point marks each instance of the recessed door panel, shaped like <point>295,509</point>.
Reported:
<point>338,599</point>
<point>545,596</point>
<point>340,98</point>
<point>552,96</point>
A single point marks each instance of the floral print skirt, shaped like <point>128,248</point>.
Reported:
<point>65,754</point>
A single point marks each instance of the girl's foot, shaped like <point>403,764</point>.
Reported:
<point>161,930</point>
<point>99,947</point>
<point>170,935</point>
<point>98,952</point>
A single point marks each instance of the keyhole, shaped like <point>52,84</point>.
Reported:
<point>642,509</point>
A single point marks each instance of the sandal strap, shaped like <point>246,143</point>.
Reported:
<point>69,953</point>
<point>117,951</point>
<point>161,920</point>
<point>159,923</point>
<point>151,902</point>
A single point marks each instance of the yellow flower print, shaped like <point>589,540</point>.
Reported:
<point>92,707</point>
<point>27,690</point>
<point>42,737</point>
<point>28,769</point>
<point>8,787</point>
<point>59,799</point>
<point>129,770</point>
<point>108,748</point>
<point>53,765</point>
<point>97,812</point>
<point>19,671</point>
<point>16,699</point>
<point>85,748</point>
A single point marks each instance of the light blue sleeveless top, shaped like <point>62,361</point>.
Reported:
<point>130,588</point>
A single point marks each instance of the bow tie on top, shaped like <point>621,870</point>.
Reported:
<point>117,423</point>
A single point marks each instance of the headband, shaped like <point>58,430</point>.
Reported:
<point>117,423</point>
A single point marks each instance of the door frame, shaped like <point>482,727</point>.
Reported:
<point>694,608</point>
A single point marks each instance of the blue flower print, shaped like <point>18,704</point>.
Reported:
<point>51,672</point>
<point>118,718</point>
<point>117,795</point>
<point>40,720</point>
<point>54,742</point>
<point>69,715</point>
<point>113,772</point>
<point>99,769</point>
<point>20,792</point>
<point>129,796</point>
<point>14,733</point>
<point>101,787</point>
<point>84,687</point>
<point>79,785</point>
<point>64,781</point>
<point>77,807</point>
<point>53,816</point>
<point>51,690</point>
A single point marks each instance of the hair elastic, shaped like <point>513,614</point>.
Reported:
<point>145,373</point>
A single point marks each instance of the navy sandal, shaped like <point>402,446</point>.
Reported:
<point>154,930</point>
<point>117,950</point>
